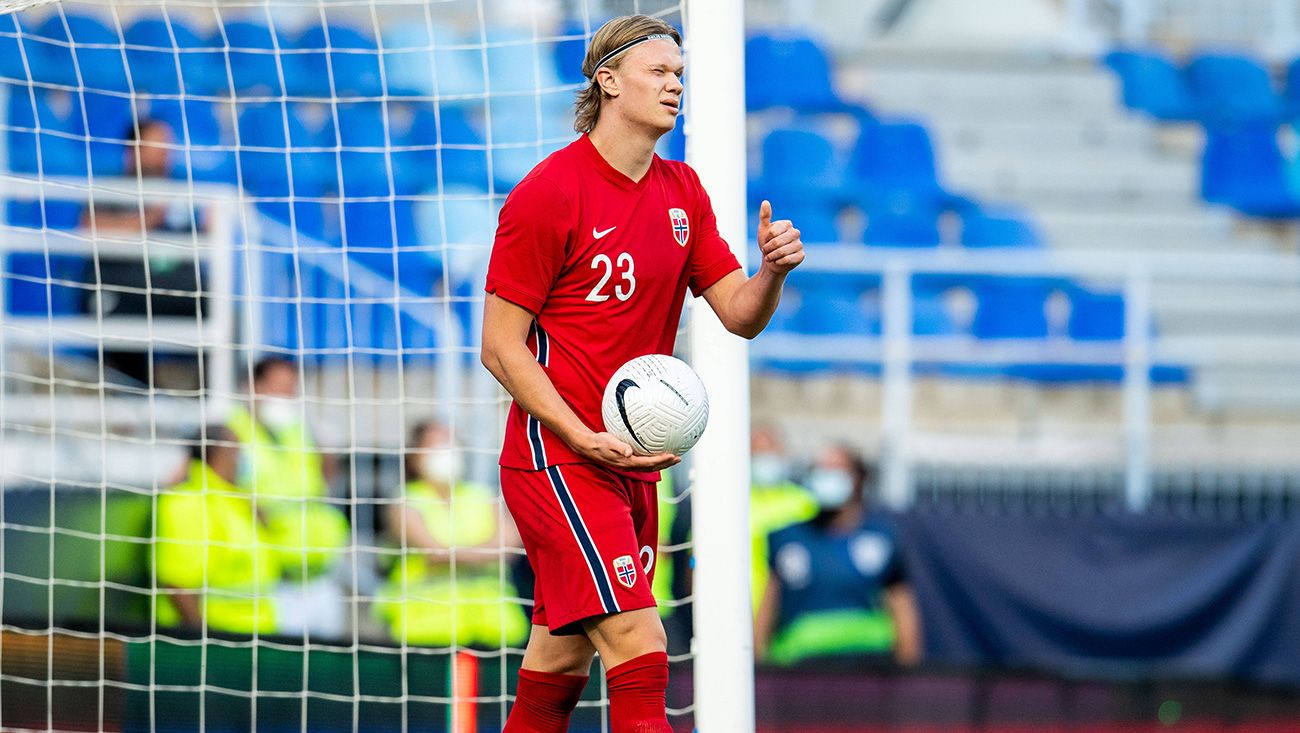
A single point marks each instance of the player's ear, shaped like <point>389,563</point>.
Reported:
<point>608,81</point>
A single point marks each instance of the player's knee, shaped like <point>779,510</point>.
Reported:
<point>632,633</point>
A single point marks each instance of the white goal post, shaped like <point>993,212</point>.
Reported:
<point>715,146</point>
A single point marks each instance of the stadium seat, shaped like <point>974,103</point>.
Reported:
<point>887,229</point>
<point>1152,84</point>
<point>1232,89</point>
<point>267,162</point>
<point>522,132</point>
<point>1244,168</point>
<point>462,152</point>
<point>422,60</point>
<point>339,61</point>
<point>800,166</point>
<point>156,45</point>
<point>518,62</point>
<point>249,49</point>
<point>1011,308</point>
<point>893,167</point>
<point>788,71</point>
<point>1291,96</point>
<point>82,52</point>
<point>998,229</point>
<point>571,49</point>
<point>17,51</point>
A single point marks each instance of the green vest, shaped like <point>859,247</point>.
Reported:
<point>663,580</point>
<point>772,508</point>
<point>425,603</point>
<point>834,632</point>
<point>209,540</point>
<point>288,481</point>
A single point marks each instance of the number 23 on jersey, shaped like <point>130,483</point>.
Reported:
<point>622,288</point>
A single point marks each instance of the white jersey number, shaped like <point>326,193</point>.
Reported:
<point>622,290</point>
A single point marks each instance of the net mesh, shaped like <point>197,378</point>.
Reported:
<point>193,191</point>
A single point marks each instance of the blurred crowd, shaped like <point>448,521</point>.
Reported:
<point>250,540</point>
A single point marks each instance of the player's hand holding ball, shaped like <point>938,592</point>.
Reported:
<point>778,241</point>
<point>655,408</point>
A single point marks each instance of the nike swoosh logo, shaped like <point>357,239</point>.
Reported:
<point>599,234</point>
<point>622,387</point>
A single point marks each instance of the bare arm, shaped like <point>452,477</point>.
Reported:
<point>765,621</point>
<point>901,604</point>
<point>745,305</point>
<point>187,604</point>
<point>505,353</point>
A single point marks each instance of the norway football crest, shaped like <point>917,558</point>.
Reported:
<point>681,226</point>
<point>625,570</point>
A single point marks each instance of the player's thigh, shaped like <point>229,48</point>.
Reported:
<point>547,652</point>
<point>620,637</point>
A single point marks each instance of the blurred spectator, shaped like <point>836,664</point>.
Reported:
<point>147,155</point>
<point>211,555</point>
<point>838,586</point>
<point>775,501</point>
<point>448,586</point>
<point>288,477</point>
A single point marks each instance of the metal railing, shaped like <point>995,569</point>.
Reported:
<point>897,350</point>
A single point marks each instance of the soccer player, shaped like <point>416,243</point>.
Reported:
<point>593,255</point>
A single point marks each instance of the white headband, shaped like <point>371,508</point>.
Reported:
<point>634,42</point>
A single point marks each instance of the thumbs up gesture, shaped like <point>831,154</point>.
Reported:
<point>778,241</point>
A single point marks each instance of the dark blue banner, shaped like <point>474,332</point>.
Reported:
<point>1109,596</point>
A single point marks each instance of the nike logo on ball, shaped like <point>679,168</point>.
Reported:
<point>599,234</point>
<point>622,387</point>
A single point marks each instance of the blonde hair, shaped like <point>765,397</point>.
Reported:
<point>613,34</point>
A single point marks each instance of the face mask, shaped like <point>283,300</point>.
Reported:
<point>441,466</point>
<point>767,469</point>
<point>277,412</point>
<point>831,488</point>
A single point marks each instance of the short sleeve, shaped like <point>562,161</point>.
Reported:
<point>710,258</point>
<point>531,243</point>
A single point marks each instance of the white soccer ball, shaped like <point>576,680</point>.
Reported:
<point>657,404</point>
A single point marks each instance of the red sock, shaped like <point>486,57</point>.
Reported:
<point>544,702</point>
<point>636,695</point>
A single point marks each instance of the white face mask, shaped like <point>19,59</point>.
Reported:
<point>768,469</point>
<point>831,488</point>
<point>442,465</point>
<point>278,412</point>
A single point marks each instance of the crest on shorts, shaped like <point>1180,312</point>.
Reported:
<point>681,225</point>
<point>625,570</point>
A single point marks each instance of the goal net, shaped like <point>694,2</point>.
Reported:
<point>247,452</point>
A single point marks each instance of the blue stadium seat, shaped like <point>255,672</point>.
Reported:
<point>17,51</point>
<point>518,62</point>
<point>522,134</point>
<point>248,46</point>
<point>1233,89</point>
<point>340,61</point>
<point>800,166</point>
<point>895,170</point>
<point>462,152</point>
<point>266,163</point>
<point>788,71</point>
<point>887,229</point>
<point>85,46</point>
<point>413,133</point>
<point>1244,168</point>
<point>571,50</point>
<point>424,61</point>
<point>1152,84</point>
<point>1011,308</point>
<point>156,45</point>
<point>1291,95</point>
<point>998,229</point>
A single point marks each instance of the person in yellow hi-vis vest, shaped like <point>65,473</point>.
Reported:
<point>775,501</point>
<point>212,564</point>
<point>449,584</point>
<point>288,476</point>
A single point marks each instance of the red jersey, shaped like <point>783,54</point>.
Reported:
<point>603,262</point>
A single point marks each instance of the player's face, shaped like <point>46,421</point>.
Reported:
<point>650,80</point>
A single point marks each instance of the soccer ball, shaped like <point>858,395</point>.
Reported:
<point>657,404</point>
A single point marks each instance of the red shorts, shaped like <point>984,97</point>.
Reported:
<point>591,537</point>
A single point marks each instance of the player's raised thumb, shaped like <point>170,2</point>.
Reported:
<point>764,214</point>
